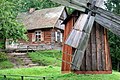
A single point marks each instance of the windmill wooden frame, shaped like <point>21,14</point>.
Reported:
<point>86,47</point>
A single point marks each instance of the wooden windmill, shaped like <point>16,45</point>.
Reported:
<point>88,50</point>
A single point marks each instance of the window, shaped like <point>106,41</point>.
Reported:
<point>58,36</point>
<point>38,36</point>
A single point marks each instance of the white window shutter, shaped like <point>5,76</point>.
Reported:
<point>55,36</point>
<point>61,37</point>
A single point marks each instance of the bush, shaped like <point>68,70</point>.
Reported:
<point>3,56</point>
<point>6,64</point>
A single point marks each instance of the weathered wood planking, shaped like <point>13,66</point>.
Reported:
<point>99,3</point>
<point>109,21</point>
<point>109,15</point>
<point>88,56</point>
<point>79,53</point>
<point>71,37</point>
<point>83,24</point>
<point>97,55</point>
<point>93,50</point>
<point>103,48</point>
<point>80,23</point>
<point>99,47</point>
<point>83,66</point>
<point>107,52</point>
<point>71,4</point>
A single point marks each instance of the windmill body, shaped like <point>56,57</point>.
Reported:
<point>85,37</point>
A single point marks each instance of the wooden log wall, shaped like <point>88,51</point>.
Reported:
<point>97,58</point>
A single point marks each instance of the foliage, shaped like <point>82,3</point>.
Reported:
<point>114,6</point>
<point>9,27</point>
<point>4,62</point>
<point>46,58</point>
<point>25,5</point>
<point>56,74</point>
<point>3,56</point>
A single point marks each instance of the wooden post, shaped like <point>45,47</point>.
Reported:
<point>5,77</point>
<point>22,77</point>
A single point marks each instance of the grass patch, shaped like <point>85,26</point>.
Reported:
<point>46,58</point>
<point>6,64</point>
<point>4,61</point>
<point>56,73</point>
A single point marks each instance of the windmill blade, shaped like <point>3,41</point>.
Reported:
<point>99,3</point>
<point>108,20</point>
<point>75,4</point>
<point>83,25</point>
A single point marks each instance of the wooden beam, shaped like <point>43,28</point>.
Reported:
<point>71,4</point>
<point>93,72</point>
<point>108,24</point>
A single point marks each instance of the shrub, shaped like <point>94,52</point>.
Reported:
<point>3,56</point>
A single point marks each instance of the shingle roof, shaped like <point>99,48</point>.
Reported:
<point>45,18</point>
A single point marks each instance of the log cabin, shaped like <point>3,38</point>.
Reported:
<point>44,28</point>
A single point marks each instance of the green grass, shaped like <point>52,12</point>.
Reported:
<point>46,58</point>
<point>4,61</point>
<point>6,64</point>
<point>56,73</point>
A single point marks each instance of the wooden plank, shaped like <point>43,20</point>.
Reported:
<point>99,3</point>
<point>77,59</point>
<point>70,4</point>
<point>107,52</point>
<point>93,72</point>
<point>109,15</point>
<point>84,23</point>
<point>99,50</point>
<point>71,37</point>
<point>88,56</point>
<point>76,39</point>
<point>103,48</point>
<point>93,46</point>
<point>80,23</point>
<point>79,53</point>
<point>83,65</point>
<point>110,25</point>
<point>89,25</point>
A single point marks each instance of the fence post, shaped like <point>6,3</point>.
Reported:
<point>43,78</point>
<point>5,77</point>
<point>22,77</point>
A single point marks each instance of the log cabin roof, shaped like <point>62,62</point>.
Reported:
<point>45,18</point>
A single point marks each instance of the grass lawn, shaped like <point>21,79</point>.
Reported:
<point>46,58</point>
<point>55,72</point>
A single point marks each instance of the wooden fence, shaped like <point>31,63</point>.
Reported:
<point>21,77</point>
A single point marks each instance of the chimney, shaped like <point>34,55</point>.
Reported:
<point>31,10</point>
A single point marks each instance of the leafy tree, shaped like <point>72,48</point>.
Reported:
<point>9,27</point>
<point>24,5</point>
<point>114,6</point>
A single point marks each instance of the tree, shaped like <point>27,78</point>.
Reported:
<point>9,27</point>
<point>114,6</point>
<point>25,5</point>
